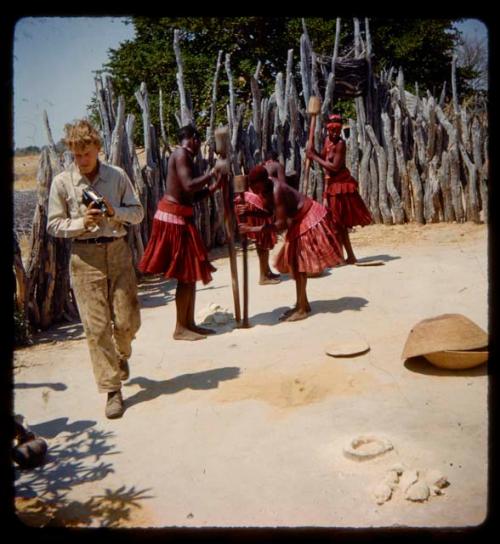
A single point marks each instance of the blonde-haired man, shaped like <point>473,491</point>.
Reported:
<point>102,274</point>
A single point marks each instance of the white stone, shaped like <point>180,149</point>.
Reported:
<point>419,491</point>
<point>214,313</point>
<point>399,468</point>
<point>391,479</point>
<point>408,478</point>
<point>220,318</point>
<point>382,493</point>
<point>434,478</point>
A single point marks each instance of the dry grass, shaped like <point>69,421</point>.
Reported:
<point>25,169</point>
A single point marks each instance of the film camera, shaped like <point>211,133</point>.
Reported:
<point>91,195</point>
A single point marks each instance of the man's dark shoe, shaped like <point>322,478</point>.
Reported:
<point>124,370</point>
<point>114,405</point>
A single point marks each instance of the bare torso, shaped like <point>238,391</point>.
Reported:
<point>334,153</point>
<point>287,200</point>
<point>180,164</point>
<point>275,169</point>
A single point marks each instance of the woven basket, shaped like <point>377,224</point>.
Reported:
<point>457,359</point>
<point>443,333</point>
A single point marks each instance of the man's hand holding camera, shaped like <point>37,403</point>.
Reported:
<point>94,215</point>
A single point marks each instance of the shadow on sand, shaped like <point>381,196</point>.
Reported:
<point>60,332</point>
<point>58,386</point>
<point>207,379</point>
<point>384,258</point>
<point>317,306</point>
<point>156,291</point>
<point>43,494</point>
<point>422,366</point>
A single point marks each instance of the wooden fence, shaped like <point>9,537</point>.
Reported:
<point>417,159</point>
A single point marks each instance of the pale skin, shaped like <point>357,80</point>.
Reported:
<point>181,188</point>
<point>286,202</point>
<point>332,162</point>
<point>86,160</point>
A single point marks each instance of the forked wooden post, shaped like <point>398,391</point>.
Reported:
<point>240,186</point>
<point>223,147</point>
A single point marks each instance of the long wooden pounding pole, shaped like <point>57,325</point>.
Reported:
<point>222,147</point>
<point>240,185</point>
<point>313,108</point>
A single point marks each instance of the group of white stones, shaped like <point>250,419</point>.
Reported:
<point>415,485</point>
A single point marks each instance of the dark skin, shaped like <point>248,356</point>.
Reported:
<point>275,169</point>
<point>333,161</point>
<point>182,186</point>
<point>286,203</point>
<point>267,276</point>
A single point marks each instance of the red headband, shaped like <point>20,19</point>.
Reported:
<point>334,124</point>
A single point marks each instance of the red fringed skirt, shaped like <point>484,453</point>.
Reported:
<point>311,244</point>
<point>267,238</point>
<point>175,247</point>
<point>344,201</point>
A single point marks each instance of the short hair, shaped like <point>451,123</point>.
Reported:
<point>186,132</point>
<point>271,155</point>
<point>80,134</point>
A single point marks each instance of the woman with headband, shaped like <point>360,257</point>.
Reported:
<point>341,193</point>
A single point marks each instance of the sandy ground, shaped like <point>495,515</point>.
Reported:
<point>247,428</point>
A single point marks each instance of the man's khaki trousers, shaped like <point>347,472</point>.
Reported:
<point>104,284</point>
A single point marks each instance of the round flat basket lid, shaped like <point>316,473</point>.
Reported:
<point>347,344</point>
<point>457,359</point>
<point>442,333</point>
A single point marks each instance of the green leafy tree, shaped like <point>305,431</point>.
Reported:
<point>423,47</point>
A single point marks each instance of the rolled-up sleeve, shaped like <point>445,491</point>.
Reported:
<point>59,224</point>
<point>130,209</point>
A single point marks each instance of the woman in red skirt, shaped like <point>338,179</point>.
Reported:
<point>341,195</point>
<point>259,212</point>
<point>310,245</point>
<point>175,247</point>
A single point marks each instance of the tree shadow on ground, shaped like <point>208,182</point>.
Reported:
<point>60,332</point>
<point>207,379</point>
<point>422,366</point>
<point>317,307</point>
<point>156,291</point>
<point>75,456</point>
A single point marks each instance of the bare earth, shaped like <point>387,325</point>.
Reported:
<point>247,428</point>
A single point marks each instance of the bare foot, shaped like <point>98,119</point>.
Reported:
<point>269,281</point>
<point>201,330</point>
<point>351,260</point>
<point>272,275</point>
<point>186,334</point>
<point>298,315</point>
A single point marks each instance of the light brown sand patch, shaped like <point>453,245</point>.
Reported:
<point>305,386</point>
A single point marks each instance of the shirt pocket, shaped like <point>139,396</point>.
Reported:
<point>76,208</point>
